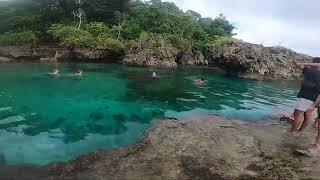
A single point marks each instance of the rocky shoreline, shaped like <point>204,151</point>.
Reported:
<point>203,147</point>
<point>254,61</point>
<point>236,58</point>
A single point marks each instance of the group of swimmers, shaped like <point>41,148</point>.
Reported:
<point>56,72</point>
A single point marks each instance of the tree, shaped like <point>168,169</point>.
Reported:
<point>221,21</point>
<point>103,10</point>
<point>121,19</point>
<point>79,13</point>
<point>130,20</point>
<point>194,14</point>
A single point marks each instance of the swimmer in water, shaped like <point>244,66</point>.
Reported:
<point>154,75</point>
<point>200,81</point>
<point>78,73</point>
<point>55,72</point>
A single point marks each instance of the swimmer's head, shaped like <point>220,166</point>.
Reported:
<point>154,74</point>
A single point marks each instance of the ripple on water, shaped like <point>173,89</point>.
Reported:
<point>187,100</point>
<point>11,119</point>
<point>5,109</point>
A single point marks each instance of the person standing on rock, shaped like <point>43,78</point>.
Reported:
<point>310,90</point>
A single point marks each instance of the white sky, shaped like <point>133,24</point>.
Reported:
<point>291,23</point>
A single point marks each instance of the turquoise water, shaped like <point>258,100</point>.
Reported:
<point>45,119</point>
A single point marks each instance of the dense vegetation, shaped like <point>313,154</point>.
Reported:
<point>108,24</point>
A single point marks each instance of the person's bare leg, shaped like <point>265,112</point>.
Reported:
<point>316,123</point>
<point>318,137</point>
<point>315,150</point>
<point>307,121</point>
<point>298,120</point>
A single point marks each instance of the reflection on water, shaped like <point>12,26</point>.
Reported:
<point>45,119</point>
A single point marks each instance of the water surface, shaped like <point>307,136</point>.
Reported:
<point>45,119</point>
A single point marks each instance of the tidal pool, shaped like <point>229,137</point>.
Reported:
<point>45,119</point>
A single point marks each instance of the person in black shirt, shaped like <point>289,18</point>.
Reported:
<point>310,90</point>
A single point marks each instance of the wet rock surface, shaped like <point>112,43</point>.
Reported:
<point>203,147</point>
<point>49,54</point>
<point>256,61</point>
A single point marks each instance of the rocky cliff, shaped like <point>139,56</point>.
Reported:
<point>256,61</point>
<point>190,58</point>
<point>150,57</point>
<point>47,54</point>
<point>203,147</point>
<point>235,57</point>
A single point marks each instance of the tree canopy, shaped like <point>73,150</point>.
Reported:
<point>108,20</point>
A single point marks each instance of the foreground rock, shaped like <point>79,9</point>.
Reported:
<point>207,147</point>
<point>47,54</point>
<point>257,62</point>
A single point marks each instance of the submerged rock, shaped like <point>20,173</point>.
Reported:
<point>256,61</point>
<point>119,117</point>
<point>96,116</point>
<point>205,147</point>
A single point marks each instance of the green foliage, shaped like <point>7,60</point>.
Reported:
<point>41,14</point>
<point>153,40</point>
<point>220,41</point>
<point>19,39</point>
<point>179,42</point>
<point>104,10</point>
<point>23,23</point>
<point>97,28</point>
<point>222,22</point>
<point>179,29</point>
<point>107,42</point>
<point>95,35</point>
<point>72,36</point>
<point>139,23</point>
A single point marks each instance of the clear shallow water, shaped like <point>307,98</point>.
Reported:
<point>45,119</point>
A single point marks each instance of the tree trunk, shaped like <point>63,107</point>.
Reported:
<point>80,22</point>
<point>119,29</point>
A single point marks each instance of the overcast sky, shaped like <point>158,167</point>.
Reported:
<point>290,23</point>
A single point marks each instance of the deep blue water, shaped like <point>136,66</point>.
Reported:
<point>45,119</point>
